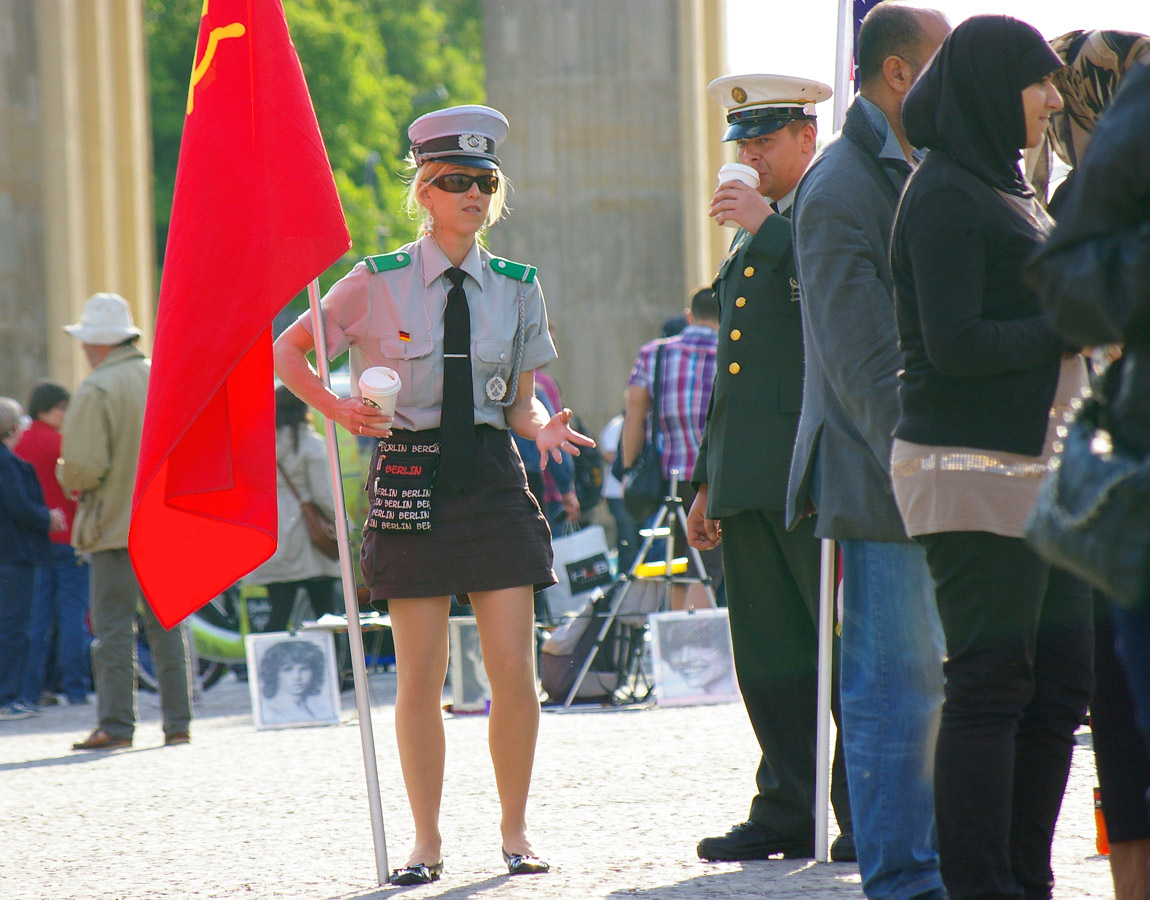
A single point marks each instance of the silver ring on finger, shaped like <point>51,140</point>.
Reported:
<point>361,427</point>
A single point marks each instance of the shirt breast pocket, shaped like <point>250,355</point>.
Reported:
<point>491,359</point>
<point>419,370</point>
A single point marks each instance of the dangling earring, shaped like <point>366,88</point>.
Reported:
<point>429,224</point>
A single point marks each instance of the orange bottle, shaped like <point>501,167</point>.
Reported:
<point>1101,842</point>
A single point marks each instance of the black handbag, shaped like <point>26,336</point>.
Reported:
<point>644,487</point>
<point>1092,516</point>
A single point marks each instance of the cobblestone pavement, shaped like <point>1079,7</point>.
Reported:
<point>619,799</point>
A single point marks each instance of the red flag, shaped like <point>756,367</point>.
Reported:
<point>255,217</point>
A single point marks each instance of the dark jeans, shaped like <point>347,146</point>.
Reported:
<point>1132,644</point>
<point>17,581</point>
<point>1119,750</point>
<point>627,537</point>
<point>1018,679</point>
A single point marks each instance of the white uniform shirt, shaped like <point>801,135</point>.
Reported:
<point>395,318</point>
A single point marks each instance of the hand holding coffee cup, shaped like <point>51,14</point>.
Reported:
<point>736,172</point>
<point>379,388</point>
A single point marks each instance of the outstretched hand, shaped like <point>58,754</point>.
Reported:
<point>558,437</point>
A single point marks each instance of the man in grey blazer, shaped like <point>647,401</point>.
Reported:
<point>892,646</point>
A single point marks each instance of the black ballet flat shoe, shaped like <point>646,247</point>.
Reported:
<point>524,864</point>
<point>420,873</point>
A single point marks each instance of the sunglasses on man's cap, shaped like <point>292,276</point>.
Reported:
<point>458,183</point>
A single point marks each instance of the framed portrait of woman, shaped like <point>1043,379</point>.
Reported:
<point>292,679</point>
<point>692,657</point>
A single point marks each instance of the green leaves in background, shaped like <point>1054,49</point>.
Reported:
<point>372,67</point>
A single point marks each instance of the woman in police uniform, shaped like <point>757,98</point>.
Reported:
<point>451,513</point>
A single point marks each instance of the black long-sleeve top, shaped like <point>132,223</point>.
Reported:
<point>980,361</point>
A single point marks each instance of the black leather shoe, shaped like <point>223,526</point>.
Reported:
<point>417,874</point>
<point>843,849</point>
<point>524,864</point>
<point>752,840</point>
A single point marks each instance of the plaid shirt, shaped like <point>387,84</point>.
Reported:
<point>687,377</point>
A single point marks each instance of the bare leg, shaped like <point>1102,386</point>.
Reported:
<point>507,634</point>
<point>419,628</point>
<point>1128,866</point>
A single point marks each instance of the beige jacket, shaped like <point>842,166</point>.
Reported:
<point>101,448</point>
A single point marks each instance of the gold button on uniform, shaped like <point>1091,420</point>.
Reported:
<point>736,334</point>
<point>740,302</point>
<point>733,368</point>
<point>748,271</point>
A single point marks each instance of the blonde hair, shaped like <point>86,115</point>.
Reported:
<point>431,170</point>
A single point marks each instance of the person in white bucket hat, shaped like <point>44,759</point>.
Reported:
<point>99,453</point>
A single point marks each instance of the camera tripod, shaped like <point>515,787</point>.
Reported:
<point>669,511</point>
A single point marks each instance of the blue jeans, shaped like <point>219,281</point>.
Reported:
<point>891,689</point>
<point>17,582</point>
<point>60,606</point>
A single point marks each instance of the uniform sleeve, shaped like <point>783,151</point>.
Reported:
<point>773,239</point>
<point>538,348</point>
<point>945,239</point>
<point>85,449</point>
<point>346,309</point>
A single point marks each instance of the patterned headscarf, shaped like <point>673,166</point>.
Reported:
<point>1095,63</point>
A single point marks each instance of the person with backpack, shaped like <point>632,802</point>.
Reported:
<point>686,377</point>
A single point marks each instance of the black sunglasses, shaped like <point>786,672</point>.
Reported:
<point>458,183</point>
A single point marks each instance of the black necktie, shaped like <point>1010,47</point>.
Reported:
<point>457,419</point>
<point>774,206</point>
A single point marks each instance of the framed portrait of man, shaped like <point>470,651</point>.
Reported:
<point>292,679</point>
<point>470,690</point>
<point>692,657</point>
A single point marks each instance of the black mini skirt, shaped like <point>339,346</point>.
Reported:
<point>485,538</point>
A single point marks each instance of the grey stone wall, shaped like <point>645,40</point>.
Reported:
<point>23,351</point>
<point>596,157</point>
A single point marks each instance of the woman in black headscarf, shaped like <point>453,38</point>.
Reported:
<point>982,373</point>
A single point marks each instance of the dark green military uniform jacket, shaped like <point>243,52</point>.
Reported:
<point>745,455</point>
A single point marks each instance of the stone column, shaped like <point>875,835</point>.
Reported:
<point>612,153</point>
<point>75,178</point>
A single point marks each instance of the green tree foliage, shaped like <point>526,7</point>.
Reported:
<point>372,66</point>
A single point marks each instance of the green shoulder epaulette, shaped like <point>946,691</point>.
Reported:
<point>518,271</point>
<point>385,262</point>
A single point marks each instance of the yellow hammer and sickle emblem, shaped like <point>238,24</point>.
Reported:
<point>234,30</point>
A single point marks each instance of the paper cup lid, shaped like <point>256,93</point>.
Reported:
<point>379,379</point>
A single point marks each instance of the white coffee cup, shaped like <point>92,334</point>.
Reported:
<point>737,172</point>
<point>379,386</point>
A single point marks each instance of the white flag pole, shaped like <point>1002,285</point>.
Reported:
<point>350,601</point>
<point>844,65</point>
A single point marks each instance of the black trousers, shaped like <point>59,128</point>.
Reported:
<point>1018,678</point>
<point>772,584</point>
<point>282,598</point>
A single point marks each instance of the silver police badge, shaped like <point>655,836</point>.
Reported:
<point>496,388</point>
<point>472,142</point>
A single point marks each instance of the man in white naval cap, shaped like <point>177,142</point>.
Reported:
<point>771,575</point>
